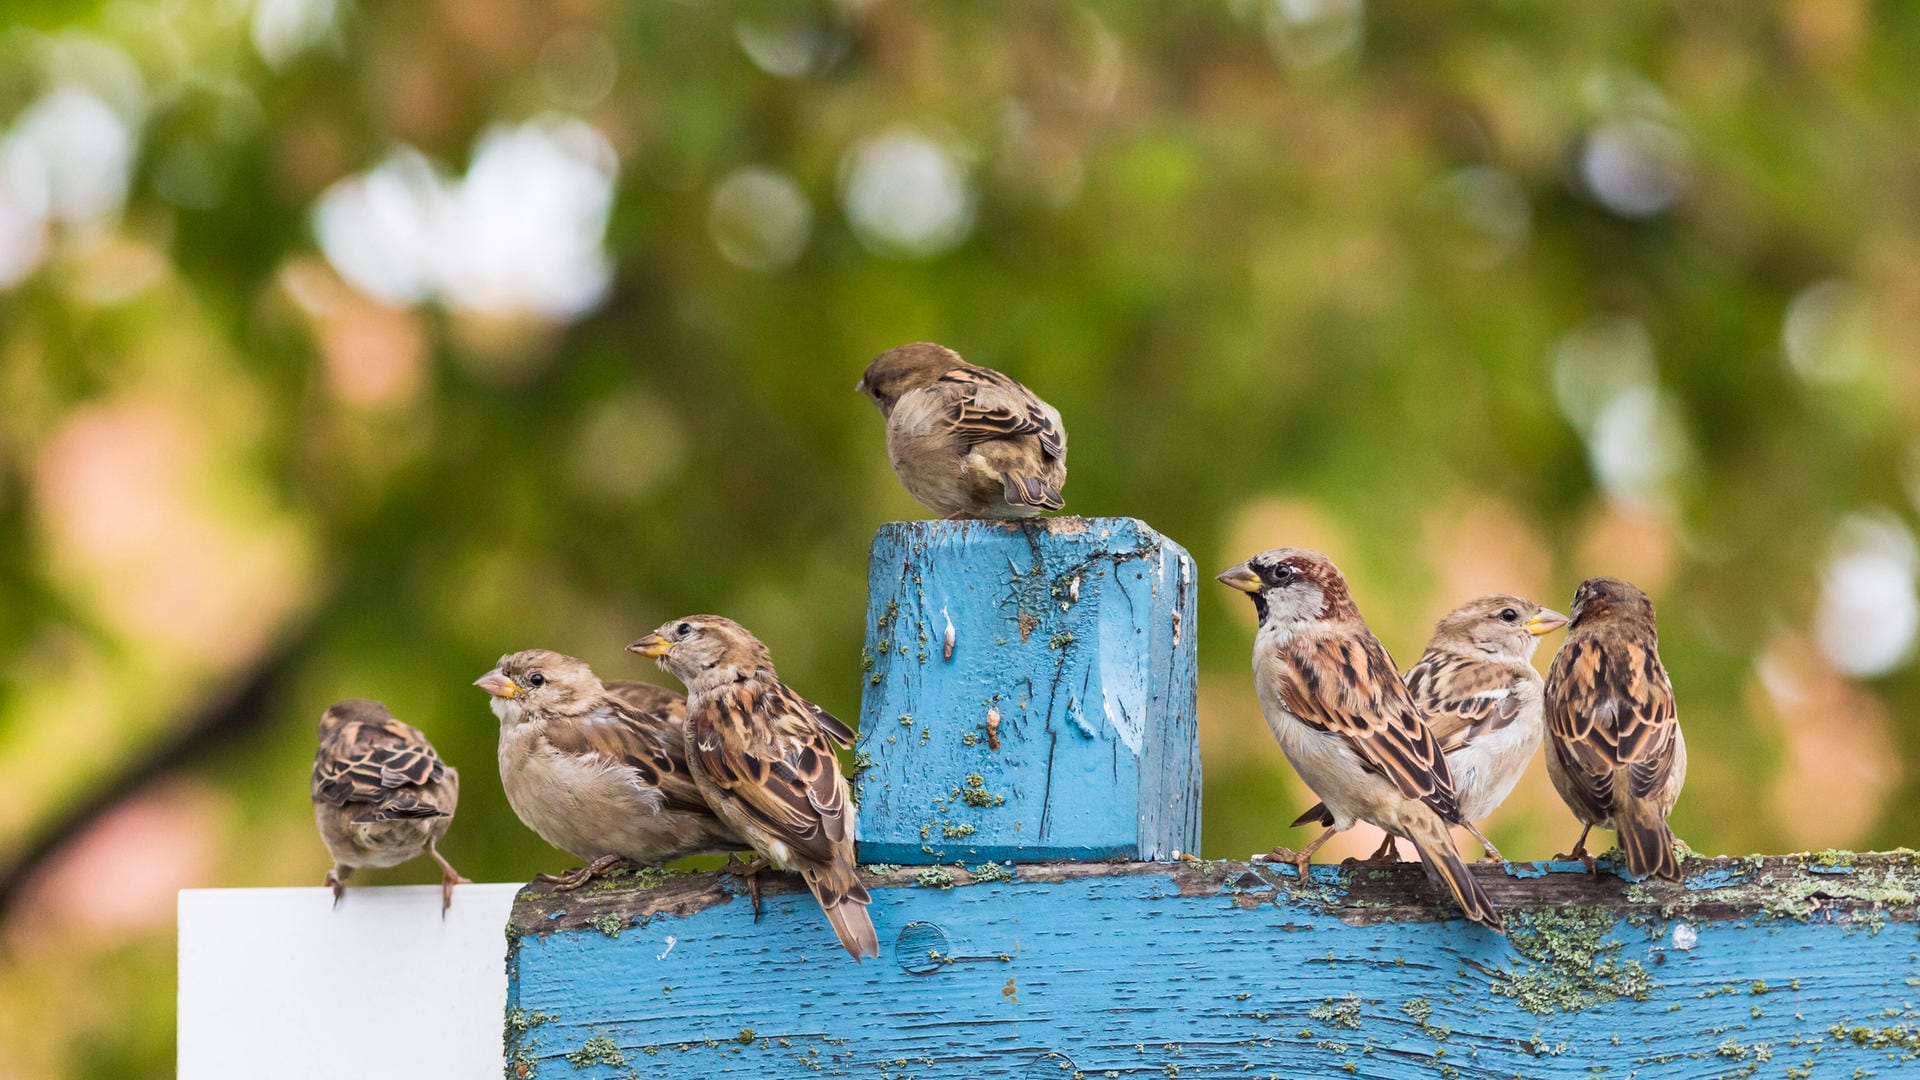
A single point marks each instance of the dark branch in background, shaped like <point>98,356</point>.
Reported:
<point>226,718</point>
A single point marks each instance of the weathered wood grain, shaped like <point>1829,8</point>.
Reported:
<point>1060,724</point>
<point>1780,966</point>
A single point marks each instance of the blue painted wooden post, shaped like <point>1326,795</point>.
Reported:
<point>1790,966</point>
<point>1030,693</point>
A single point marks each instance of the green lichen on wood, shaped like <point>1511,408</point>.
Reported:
<point>1569,963</point>
<point>608,923</point>
<point>598,1050</point>
<point>520,1062</point>
<point>1800,887</point>
<point>1344,1012</point>
<point>990,871</point>
<point>975,792</point>
<point>934,877</point>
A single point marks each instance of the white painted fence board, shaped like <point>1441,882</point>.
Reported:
<point>271,980</point>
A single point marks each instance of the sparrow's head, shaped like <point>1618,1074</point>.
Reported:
<point>898,372</point>
<point>1610,600</point>
<point>1499,627</point>
<point>705,650</point>
<point>341,713</point>
<point>543,682</point>
<point>1291,587</point>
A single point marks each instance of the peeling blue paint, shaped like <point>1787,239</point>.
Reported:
<point>1069,693</point>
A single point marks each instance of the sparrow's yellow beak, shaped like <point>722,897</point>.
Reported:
<point>1240,577</point>
<point>653,645</point>
<point>497,684</point>
<point>1545,623</point>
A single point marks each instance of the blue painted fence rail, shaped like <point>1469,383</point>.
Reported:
<point>1779,967</point>
<point>1030,693</point>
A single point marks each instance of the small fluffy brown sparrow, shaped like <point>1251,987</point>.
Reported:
<point>967,441</point>
<point>1346,721</point>
<point>1614,748</point>
<point>763,756</point>
<point>1482,699</point>
<point>598,772</point>
<point>380,794</point>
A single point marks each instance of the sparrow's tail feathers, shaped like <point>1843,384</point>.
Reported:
<point>1647,842</point>
<point>1033,491</point>
<point>1317,814</point>
<point>1430,837</point>
<point>845,900</point>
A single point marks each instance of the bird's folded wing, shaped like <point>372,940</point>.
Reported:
<point>1610,705</point>
<point>650,743</point>
<point>1464,699</point>
<point>984,404</point>
<point>1351,688</point>
<point>768,752</point>
<point>367,761</point>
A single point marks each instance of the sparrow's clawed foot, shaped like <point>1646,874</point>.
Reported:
<point>1301,859</point>
<point>1493,853</point>
<point>337,881</point>
<point>449,877</point>
<point>1579,851</point>
<point>748,871</point>
<point>580,875</point>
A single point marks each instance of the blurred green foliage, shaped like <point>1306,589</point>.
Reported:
<point>1309,272</point>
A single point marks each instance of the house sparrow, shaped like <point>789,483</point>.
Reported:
<point>380,794</point>
<point>763,756</point>
<point>1346,721</point>
<point>1614,748</point>
<point>1482,700</point>
<point>599,773</point>
<point>967,441</point>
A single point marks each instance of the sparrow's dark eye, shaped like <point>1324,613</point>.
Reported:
<point>1509,615</point>
<point>536,679</point>
<point>683,629</point>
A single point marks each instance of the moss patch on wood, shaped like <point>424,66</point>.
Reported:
<point>1569,963</point>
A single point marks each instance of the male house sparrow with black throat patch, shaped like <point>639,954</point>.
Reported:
<point>598,771</point>
<point>967,441</point>
<point>763,756</point>
<point>1482,699</point>
<point>1346,721</point>
<point>381,795</point>
<point>1614,748</point>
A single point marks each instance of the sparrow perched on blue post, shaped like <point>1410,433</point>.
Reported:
<point>1346,721</point>
<point>599,771</point>
<point>763,756</point>
<point>1482,699</point>
<point>967,441</point>
<point>1614,748</point>
<point>381,795</point>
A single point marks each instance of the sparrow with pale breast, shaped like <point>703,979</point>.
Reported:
<point>1614,748</point>
<point>967,441</point>
<point>1346,721</point>
<point>599,772</point>
<point>1482,699</point>
<point>763,756</point>
<point>381,795</point>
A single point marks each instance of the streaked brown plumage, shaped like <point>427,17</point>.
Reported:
<point>1346,721</point>
<point>967,441</point>
<point>599,771</point>
<point>381,795</point>
<point>763,756</point>
<point>1614,748</point>
<point>1482,698</point>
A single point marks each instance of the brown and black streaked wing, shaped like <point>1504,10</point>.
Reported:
<point>769,753</point>
<point>1349,686</point>
<point>1460,697</point>
<point>989,405</point>
<point>374,758</point>
<point>651,741</point>
<point>1610,706</point>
